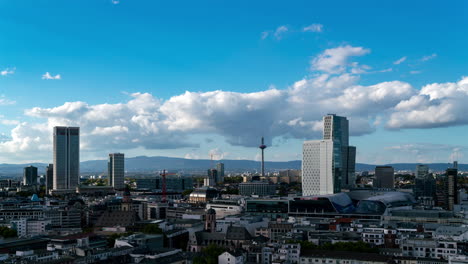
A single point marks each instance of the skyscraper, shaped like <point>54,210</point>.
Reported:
<point>116,170</point>
<point>49,177</point>
<point>30,175</point>
<point>66,158</point>
<point>451,190</point>
<point>384,177</point>
<point>318,172</point>
<point>421,171</point>
<point>220,169</point>
<point>336,128</point>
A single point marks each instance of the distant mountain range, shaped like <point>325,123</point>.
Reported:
<point>150,164</point>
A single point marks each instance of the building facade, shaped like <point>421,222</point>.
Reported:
<point>66,158</point>
<point>336,128</point>
<point>384,177</point>
<point>116,170</point>
<point>260,188</point>
<point>319,174</point>
<point>30,175</point>
<point>220,169</point>
<point>49,177</point>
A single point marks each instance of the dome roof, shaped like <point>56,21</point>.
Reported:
<point>211,211</point>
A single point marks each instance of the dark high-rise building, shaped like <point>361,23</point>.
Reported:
<point>220,169</point>
<point>30,175</point>
<point>66,158</point>
<point>212,178</point>
<point>384,177</point>
<point>49,177</point>
<point>424,187</point>
<point>116,170</point>
<point>450,186</point>
<point>336,128</point>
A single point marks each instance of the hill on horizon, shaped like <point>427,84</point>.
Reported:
<point>157,163</point>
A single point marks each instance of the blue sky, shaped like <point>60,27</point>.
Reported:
<point>109,54</point>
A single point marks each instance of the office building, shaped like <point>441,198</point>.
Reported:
<point>212,178</point>
<point>173,184</point>
<point>451,190</point>
<point>30,175</point>
<point>421,171</point>
<point>384,177</point>
<point>49,177</point>
<point>260,188</point>
<point>66,158</point>
<point>116,170</point>
<point>336,128</point>
<point>220,169</point>
<point>319,175</point>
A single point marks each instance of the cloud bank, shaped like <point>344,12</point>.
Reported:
<point>145,121</point>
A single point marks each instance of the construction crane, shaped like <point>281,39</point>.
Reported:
<point>164,186</point>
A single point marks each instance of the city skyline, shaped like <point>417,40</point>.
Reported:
<point>196,89</point>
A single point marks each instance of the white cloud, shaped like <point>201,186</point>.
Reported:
<point>6,101</point>
<point>217,154</point>
<point>7,122</point>
<point>7,71</point>
<point>429,57</point>
<point>427,152</point>
<point>48,76</point>
<point>265,34</point>
<point>280,31</point>
<point>399,61</point>
<point>146,122</point>
<point>415,72</point>
<point>313,28</point>
<point>115,2</point>
<point>335,60</point>
<point>435,105</point>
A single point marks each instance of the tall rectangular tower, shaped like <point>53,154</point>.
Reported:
<point>30,175</point>
<point>220,169</point>
<point>319,176</point>
<point>66,158</point>
<point>116,170</point>
<point>336,128</point>
<point>451,190</point>
<point>49,177</point>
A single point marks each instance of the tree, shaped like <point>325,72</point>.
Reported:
<point>187,192</point>
<point>210,255</point>
<point>6,232</point>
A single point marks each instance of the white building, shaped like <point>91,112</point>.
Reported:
<point>31,227</point>
<point>288,253</point>
<point>317,168</point>
<point>231,258</point>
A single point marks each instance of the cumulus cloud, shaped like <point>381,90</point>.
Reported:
<point>400,61</point>
<point>7,71</point>
<point>435,105</point>
<point>48,76</point>
<point>313,28</point>
<point>147,122</point>
<point>335,60</point>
